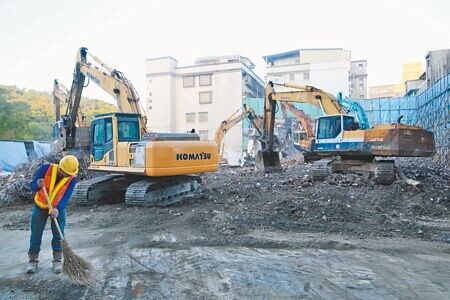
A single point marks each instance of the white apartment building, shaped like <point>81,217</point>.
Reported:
<point>326,69</point>
<point>201,96</point>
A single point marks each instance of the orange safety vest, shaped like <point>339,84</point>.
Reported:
<point>55,193</point>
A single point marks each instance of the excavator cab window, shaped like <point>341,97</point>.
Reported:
<point>129,129</point>
<point>349,123</point>
<point>101,137</point>
<point>329,127</point>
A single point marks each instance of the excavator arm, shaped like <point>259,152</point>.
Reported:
<point>70,129</point>
<point>303,118</point>
<point>301,94</point>
<point>352,106</point>
<point>110,80</point>
<point>235,118</point>
<point>60,94</point>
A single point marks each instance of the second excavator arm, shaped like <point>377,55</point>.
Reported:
<point>301,116</point>
<point>232,121</point>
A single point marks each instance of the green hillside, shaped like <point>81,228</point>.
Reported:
<point>29,114</point>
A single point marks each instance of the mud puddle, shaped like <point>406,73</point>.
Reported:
<point>240,272</point>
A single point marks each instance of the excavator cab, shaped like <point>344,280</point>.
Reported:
<point>329,127</point>
<point>333,133</point>
<point>108,129</point>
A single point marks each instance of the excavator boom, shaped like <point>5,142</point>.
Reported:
<point>70,130</point>
<point>229,123</point>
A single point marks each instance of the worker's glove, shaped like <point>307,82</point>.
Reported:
<point>53,213</point>
<point>40,183</point>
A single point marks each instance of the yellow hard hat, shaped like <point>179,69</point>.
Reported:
<point>69,164</point>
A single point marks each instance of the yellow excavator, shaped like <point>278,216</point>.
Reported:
<point>227,124</point>
<point>146,168</point>
<point>340,142</point>
<point>70,130</point>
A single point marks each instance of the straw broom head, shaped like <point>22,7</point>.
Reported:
<point>75,267</point>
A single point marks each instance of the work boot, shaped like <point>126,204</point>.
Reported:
<point>32,263</point>
<point>57,264</point>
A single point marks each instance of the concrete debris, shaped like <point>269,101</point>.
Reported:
<point>15,187</point>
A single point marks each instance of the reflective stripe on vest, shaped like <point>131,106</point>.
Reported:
<point>54,193</point>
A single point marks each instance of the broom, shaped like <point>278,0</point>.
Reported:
<point>75,267</point>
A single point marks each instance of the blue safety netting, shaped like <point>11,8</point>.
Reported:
<point>429,110</point>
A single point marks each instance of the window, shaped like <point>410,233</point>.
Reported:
<point>190,117</point>
<point>203,116</point>
<point>205,80</point>
<point>150,107</point>
<point>205,97</point>
<point>292,77</point>
<point>128,130</point>
<point>306,75</point>
<point>188,81</point>
<point>203,135</point>
<point>99,134</point>
<point>109,131</point>
<point>360,66</point>
<point>329,127</point>
<point>349,123</point>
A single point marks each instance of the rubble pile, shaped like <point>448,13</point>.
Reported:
<point>426,171</point>
<point>345,203</point>
<point>15,187</point>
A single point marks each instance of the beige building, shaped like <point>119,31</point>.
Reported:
<point>200,96</point>
<point>327,68</point>
<point>387,91</point>
<point>411,70</point>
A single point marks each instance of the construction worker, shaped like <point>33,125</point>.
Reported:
<point>59,181</point>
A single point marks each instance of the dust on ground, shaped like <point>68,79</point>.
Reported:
<point>246,222</point>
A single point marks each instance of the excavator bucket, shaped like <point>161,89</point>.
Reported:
<point>270,160</point>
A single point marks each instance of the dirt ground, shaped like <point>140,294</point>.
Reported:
<point>252,235</point>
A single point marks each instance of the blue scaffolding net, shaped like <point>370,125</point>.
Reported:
<point>429,110</point>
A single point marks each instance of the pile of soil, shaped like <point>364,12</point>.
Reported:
<point>345,204</point>
<point>235,201</point>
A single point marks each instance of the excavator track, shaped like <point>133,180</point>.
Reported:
<point>320,170</point>
<point>100,190</point>
<point>385,172</point>
<point>161,191</point>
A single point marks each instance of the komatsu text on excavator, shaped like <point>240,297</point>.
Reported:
<point>338,135</point>
<point>145,168</point>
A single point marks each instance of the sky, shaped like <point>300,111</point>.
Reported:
<point>39,39</point>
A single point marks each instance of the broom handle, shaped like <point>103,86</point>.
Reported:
<point>50,208</point>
